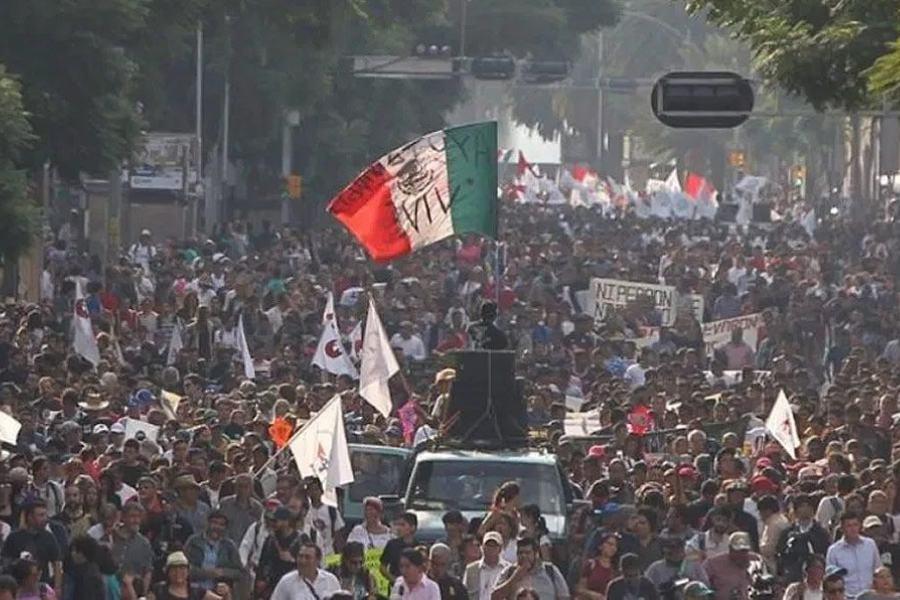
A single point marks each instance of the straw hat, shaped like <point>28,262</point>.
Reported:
<point>93,401</point>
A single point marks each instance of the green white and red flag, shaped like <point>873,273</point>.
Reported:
<point>434,187</point>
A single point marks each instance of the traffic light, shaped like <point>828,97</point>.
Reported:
<point>798,176</point>
<point>698,99</point>
<point>737,159</point>
<point>294,186</point>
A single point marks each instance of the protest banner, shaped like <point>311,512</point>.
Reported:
<point>617,293</point>
<point>717,333</point>
<point>582,423</point>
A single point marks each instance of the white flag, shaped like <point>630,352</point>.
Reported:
<point>378,364</point>
<point>328,313</point>
<point>782,427</point>
<point>169,402</point>
<point>175,344</point>
<point>356,340</point>
<point>673,184</point>
<point>330,355</point>
<point>9,428</point>
<point>320,450</point>
<point>249,370</point>
<point>84,342</point>
<point>582,423</point>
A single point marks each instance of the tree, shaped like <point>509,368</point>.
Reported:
<point>17,214</point>
<point>75,77</point>
<point>821,50</point>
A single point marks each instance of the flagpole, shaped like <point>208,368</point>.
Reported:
<point>293,437</point>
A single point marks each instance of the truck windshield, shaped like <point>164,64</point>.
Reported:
<point>374,474</point>
<point>470,485</point>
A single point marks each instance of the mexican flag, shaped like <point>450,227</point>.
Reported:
<point>436,186</point>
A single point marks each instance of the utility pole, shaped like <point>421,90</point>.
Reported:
<point>198,126</point>
<point>198,112</point>
<point>601,123</point>
<point>290,119</point>
<point>226,106</point>
<point>463,18</point>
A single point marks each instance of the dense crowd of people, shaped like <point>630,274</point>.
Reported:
<point>669,506</point>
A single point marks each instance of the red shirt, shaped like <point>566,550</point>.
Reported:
<point>597,576</point>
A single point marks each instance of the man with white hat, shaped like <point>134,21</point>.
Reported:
<point>728,573</point>
<point>481,575</point>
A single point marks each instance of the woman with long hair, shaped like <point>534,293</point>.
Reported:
<point>505,501</point>
<point>507,498</point>
<point>177,584</point>
<point>352,573</point>
<point>82,573</point>
<point>535,526</point>
<point>90,496</point>
<point>599,570</point>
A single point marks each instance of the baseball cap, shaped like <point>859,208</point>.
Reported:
<point>739,541</point>
<point>872,521</point>
<point>832,571</point>
<point>493,536</point>
<point>763,484</point>
<point>100,428</point>
<point>177,559</point>
<point>117,427</point>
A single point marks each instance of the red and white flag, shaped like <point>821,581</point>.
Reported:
<point>698,188</point>
<point>782,427</point>
<point>330,354</point>
<point>355,337</point>
<point>434,187</point>
<point>320,450</point>
<point>84,341</point>
<point>673,184</point>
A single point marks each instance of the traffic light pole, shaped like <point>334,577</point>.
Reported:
<point>287,161</point>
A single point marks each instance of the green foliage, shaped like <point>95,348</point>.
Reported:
<point>75,75</point>
<point>821,50</point>
<point>17,214</point>
<point>884,76</point>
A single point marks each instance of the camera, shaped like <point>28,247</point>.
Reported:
<point>672,589</point>
<point>762,584</point>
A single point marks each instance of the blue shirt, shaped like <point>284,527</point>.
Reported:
<point>860,559</point>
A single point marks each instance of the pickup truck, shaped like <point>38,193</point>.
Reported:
<point>378,471</point>
<point>466,479</point>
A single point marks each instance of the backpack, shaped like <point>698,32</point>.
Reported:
<point>838,508</point>
<point>332,514</point>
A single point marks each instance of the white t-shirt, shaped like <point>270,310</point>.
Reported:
<point>294,587</point>
<point>367,539</point>
<point>634,375</point>
<point>319,519</point>
<point>424,590</point>
<point>411,348</point>
<point>276,318</point>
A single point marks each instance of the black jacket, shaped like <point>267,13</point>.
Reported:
<point>793,547</point>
